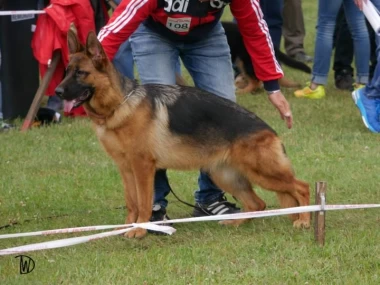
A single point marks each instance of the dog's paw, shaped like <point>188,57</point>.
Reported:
<point>240,82</point>
<point>294,217</point>
<point>299,224</point>
<point>136,233</point>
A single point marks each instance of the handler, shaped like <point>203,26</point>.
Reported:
<point>191,29</point>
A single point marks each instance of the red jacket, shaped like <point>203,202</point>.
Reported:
<point>190,20</point>
<point>51,34</point>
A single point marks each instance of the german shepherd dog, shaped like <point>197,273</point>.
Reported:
<point>242,59</point>
<point>148,127</point>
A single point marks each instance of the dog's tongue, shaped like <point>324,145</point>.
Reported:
<point>68,106</point>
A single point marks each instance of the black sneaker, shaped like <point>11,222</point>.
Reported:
<point>159,214</point>
<point>344,80</point>
<point>220,207</point>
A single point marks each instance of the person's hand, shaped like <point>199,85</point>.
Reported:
<point>359,3</point>
<point>282,105</point>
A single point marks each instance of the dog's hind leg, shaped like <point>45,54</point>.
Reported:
<point>290,194</point>
<point>231,181</point>
<point>143,171</point>
<point>263,161</point>
<point>252,82</point>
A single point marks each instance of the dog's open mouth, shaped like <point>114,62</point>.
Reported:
<point>69,105</point>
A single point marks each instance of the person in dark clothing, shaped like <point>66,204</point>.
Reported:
<point>344,53</point>
<point>272,11</point>
<point>293,30</point>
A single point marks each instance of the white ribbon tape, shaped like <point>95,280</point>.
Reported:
<point>24,12</point>
<point>60,243</point>
<point>155,227</point>
<point>78,240</point>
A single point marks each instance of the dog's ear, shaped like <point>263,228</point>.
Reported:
<point>73,42</point>
<point>95,51</point>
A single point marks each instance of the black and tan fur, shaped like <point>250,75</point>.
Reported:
<point>243,61</point>
<point>149,127</point>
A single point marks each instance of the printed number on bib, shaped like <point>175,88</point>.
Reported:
<point>178,24</point>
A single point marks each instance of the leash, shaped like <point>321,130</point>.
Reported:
<point>10,224</point>
<point>194,206</point>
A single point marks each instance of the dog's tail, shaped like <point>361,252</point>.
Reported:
<point>288,61</point>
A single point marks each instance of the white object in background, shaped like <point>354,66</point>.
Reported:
<point>22,12</point>
<point>372,15</point>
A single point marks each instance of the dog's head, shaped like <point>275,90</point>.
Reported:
<point>86,71</point>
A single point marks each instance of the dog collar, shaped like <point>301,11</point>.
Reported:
<point>90,111</point>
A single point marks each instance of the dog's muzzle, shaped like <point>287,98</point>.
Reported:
<point>59,92</point>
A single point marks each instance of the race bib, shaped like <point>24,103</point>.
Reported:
<point>178,24</point>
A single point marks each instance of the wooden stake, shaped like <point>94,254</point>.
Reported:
<point>41,91</point>
<point>319,217</point>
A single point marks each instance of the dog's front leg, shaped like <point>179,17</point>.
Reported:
<point>130,197</point>
<point>130,192</point>
<point>143,168</point>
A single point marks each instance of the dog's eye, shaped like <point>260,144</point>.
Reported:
<point>81,72</point>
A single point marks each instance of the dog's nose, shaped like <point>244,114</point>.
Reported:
<point>59,91</point>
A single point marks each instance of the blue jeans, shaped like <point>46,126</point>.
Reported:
<point>327,13</point>
<point>272,10</point>
<point>123,60</point>
<point>208,62</point>
<point>372,89</point>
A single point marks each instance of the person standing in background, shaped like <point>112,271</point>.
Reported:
<point>367,98</point>
<point>327,13</point>
<point>293,30</point>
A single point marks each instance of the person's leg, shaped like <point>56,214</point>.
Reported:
<point>372,89</point>
<point>373,56</point>
<point>293,30</point>
<point>209,63</point>
<point>154,56</point>
<point>344,53</point>
<point>272,10</point>
<point>356,23</point>
<point>123,60</point>
<point>327,12</point>
<point>367,99</point>
<point>156,61</point>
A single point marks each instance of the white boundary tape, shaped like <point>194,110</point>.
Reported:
<point>24,12</point>
<point>153,226</point>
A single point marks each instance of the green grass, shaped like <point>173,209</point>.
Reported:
<point>62,171</point>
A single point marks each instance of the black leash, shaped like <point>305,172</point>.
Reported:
<point>117,208</point>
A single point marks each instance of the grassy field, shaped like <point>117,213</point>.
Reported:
<point>62,172</point>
